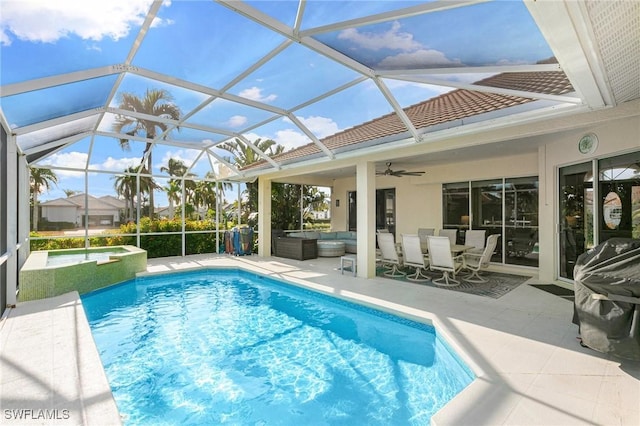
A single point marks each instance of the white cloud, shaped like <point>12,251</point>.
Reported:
<point>294,137</point>
<point>290,138</point>
<point>255,94</point>
<point>71,160</point>
<point>419,59</point>
<point>320,126</point>
<point>47,21</point>
<point>392,39</point>
<point>117,164</point>
<point>237,121</point>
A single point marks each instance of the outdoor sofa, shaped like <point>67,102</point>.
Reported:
<point>325,240</point>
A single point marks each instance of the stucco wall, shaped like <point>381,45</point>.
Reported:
<point>419,199</point>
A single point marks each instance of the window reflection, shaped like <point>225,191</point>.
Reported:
<point>612,210</point>
<point>517,197</point>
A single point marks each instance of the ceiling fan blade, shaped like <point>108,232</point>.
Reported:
<point>397,173</point>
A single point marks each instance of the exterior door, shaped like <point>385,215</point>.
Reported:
<point>576,215</point>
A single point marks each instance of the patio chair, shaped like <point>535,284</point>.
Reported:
<point>390,255</point>
<point>452,234</point>
<point>441,259</point>
<point>476,262</point>
<point>413,257</point>
<point>423,233</point>
<point>475,238</point>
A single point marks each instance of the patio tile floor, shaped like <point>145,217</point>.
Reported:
<point>522,347</point>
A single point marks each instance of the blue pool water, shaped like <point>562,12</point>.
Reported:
<point>55,259</point>
<point>215,347</point>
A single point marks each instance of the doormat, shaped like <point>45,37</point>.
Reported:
<point>563,292</point>
<point>497,285</point>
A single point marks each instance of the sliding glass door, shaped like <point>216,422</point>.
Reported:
<point>584,223</point>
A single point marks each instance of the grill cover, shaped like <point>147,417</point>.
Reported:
<point>606,284</point>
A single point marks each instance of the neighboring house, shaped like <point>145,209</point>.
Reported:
<point>163,212</point>
<point>103,211</point>
<point>321,214</point>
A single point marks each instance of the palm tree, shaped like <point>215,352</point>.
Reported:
<point>173,190</point>
<point>177,168</point>
<point>157,102</point>
<point>39,180</point>
<point>174,167</point>
<point>244,155</point>
<point>70,192</point>
<point>127,188</point>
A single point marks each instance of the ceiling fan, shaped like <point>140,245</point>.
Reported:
<point>397,173</point>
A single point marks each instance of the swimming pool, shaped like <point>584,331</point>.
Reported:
<point>228,346</point>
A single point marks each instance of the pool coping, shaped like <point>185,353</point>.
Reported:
<point>51,368</point>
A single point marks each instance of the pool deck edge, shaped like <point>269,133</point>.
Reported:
<point>52,372</point>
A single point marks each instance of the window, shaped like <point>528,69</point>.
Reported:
<point>507,207</point>
<point>385,210</point>
<point>584,222</point>
<point>455,206</point>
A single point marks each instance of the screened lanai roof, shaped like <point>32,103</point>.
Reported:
<point>313,76</point>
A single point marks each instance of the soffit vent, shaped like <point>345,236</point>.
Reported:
<point>616,26</point>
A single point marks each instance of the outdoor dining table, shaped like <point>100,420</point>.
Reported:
<point>456,249</point>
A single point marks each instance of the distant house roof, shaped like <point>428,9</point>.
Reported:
<point>116,202</point>
<point>455,105</point>
<point>59,202</point>
<point>78,200</point>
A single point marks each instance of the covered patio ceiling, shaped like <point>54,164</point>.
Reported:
<point>320,78</point>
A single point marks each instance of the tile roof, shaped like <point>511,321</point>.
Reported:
<point>455,105</point>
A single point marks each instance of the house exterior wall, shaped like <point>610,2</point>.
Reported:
<point>419,199</point>
<point>59,214</point>
<point>615,137</point>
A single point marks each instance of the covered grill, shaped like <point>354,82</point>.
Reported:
<point>607,297</point>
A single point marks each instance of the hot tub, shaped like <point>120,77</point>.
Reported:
<point>55,272</point>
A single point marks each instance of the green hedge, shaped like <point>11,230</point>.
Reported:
<point>155,245</point>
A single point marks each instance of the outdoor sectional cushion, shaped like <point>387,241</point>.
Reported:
<point>328,235</point>
<point>349,238</point>
<point>346,235</point>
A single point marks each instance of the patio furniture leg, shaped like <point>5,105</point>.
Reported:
<point>446,281</point>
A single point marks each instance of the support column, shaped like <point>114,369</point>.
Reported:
<point>23,210</point>
<point>264,217</point>
<point>12,219</point>
<point>366,201</point>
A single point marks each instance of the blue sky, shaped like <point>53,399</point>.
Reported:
<point>209,45</point>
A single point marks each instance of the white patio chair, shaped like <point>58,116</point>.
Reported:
<point>441,259</point>
<point>389,255</point>
<point>423,233</point>
<point>475,238</point>
<point>476,262</point>
<point>452,234</point>
<point>413,257</point>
